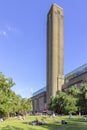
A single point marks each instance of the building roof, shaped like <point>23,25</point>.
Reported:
<point>39,91</point>
<point>77,71</point>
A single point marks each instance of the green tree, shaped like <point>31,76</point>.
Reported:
<point>26,105</point>
<point>76,93</point>
<point>70,104</point>
<point>83,99</point>
<point>5,89</point>
<point>63,103</point>
<point>10,103</point>
<point>57,102</point>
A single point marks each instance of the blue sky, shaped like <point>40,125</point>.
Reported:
<point>23,40</point>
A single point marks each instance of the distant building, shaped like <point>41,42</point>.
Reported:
<point>76,78</point>
<point>39,100</point>
<point>55,63</point>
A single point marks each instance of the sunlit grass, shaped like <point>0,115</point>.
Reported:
<point>76,123</point>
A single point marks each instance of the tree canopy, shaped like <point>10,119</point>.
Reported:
<point>72,101</point>
<point>10,102</point>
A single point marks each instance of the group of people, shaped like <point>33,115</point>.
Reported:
<point>20,117</point>
<point>37,122</point>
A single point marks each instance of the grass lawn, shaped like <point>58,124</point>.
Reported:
<point>76,123</point>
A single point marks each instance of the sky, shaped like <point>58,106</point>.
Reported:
<point>23,40</point>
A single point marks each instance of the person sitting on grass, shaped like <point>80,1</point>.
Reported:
<point>43,122</point>
<point>63,122</point>
<point>36,122</point>
<point>85,117</point>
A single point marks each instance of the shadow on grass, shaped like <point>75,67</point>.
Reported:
<point>11,128</point>
<point>71,125</point>
<point>48,126</point>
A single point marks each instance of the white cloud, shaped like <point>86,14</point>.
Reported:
<point>7,30</point>
<point>3,33</point>
<point>11,29</point>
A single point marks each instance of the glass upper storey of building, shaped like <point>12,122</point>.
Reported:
<point>39,91</point>
<point>80,70</point>
<point>76,72</point>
